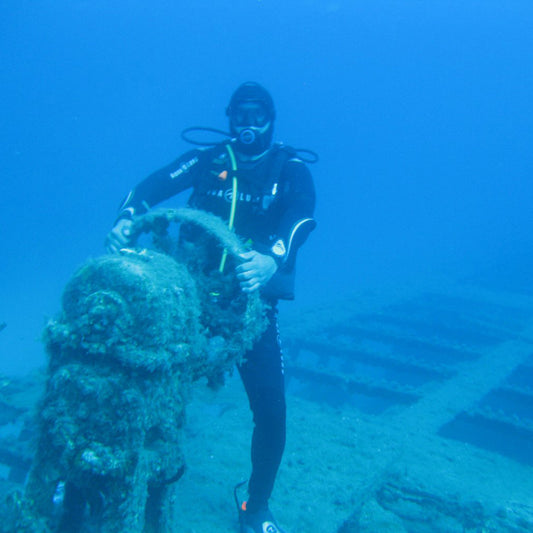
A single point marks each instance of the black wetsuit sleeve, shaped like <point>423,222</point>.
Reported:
<point>166,182</point>
<point>298,206</point>
<point>295,222</point>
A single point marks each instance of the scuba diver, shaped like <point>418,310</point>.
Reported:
<point>265,192</point>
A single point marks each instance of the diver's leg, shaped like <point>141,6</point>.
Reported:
<point>262,375</point>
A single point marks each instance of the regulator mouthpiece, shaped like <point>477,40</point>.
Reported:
<point>247,136</point>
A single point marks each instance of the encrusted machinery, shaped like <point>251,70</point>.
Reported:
<point>135,330</point>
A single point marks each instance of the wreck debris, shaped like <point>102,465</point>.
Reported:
<point>442,384</point>
<point>135,330</point>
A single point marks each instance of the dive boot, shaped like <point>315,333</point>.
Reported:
<point>260,521</point>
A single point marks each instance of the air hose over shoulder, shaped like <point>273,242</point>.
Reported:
<point>234,191</point>
<point>306,155</point>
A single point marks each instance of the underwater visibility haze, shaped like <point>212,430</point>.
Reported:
<point>422,115</point>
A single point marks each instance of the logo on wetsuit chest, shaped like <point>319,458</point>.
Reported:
<point>228,195</point>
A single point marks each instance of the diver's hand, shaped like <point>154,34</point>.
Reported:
<point>119,236</point>
<point>255,271</point>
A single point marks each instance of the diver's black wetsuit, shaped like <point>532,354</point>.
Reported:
<point>275,204</point>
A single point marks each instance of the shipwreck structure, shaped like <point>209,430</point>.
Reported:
<point>135,330</point>
<point>429,394</point>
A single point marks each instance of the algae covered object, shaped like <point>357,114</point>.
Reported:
<point>135,330</point>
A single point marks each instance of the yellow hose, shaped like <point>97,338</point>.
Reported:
<point>233,202</point>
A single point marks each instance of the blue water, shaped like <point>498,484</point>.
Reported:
<point>421,112</point>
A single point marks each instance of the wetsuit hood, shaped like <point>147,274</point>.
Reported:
<point>253,135</point>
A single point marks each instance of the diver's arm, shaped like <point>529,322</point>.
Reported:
<point>157,187</point>
<point>298,205</point>
<point>161,185</point>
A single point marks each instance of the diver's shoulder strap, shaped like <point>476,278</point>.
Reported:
<point>281,154</point>
<point>283,150</point>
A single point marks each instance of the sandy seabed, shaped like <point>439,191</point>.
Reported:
<point>335,460</point>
